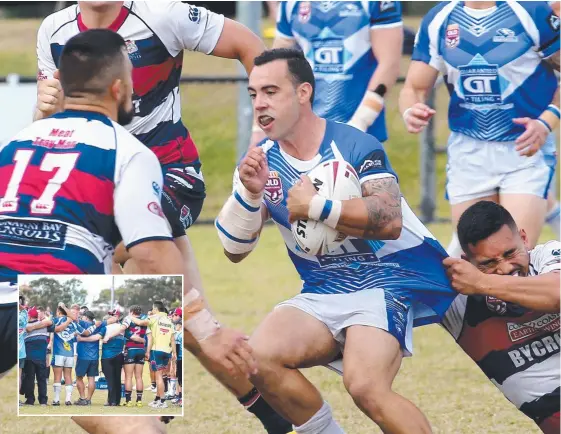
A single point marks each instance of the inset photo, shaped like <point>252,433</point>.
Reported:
<point>100,345</point>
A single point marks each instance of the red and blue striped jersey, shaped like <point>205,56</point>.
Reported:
<point>71,187</point>
<point>156,33</point>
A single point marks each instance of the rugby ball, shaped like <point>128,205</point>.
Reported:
<point>335,180</point>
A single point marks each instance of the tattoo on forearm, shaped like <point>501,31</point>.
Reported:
<point>553,61</point>
<point>383,203</point>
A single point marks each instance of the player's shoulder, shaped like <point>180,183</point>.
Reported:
<point>129,144</point>
<point>351,140</point>
<point>432,14</point>
<point>57,20</point>
<point>534,8</point>
<point>546,250</point>
<point>164,12</point>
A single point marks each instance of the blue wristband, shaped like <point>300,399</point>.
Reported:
<point>545,123</point>
<point>553,109</point>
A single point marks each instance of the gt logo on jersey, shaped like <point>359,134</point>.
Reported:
<point>495,305</point>
<point>328,55</point>
<point>480,84</point>
<point>351,10</point>
<point>273,188</point>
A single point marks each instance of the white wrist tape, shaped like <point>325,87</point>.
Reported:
<point>198,320</point>
<point>406,113</point>
<point>368,110</point>
<point>202,325</point>
<point>325,210</point>
<point>239,221</point>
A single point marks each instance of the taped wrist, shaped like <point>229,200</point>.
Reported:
<point>239,221</point>
<point>370,107</point>
<point>197,319</point>
<point>325,210</point>
<point>550,117</point>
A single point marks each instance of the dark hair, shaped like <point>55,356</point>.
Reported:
<point>61,310</point>
<point>159,305</point>
<point>89,314</point>
<point>136,309</point>
<point>480,221</point>
<point>22,300</point>
<point>90,61</point>
<point>299,68</point>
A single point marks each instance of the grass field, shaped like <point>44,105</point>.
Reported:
<point>98,399</point>
<point>440,378</point>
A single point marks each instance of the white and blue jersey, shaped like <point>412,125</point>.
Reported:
<point>409,268</point>
<point>335,38</point>
<point>63,343</point>
<point>492,61</point>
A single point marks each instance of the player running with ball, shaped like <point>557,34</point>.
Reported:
<point>368,290</point>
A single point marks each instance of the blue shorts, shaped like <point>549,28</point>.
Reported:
<point>88,368</point>
<point>159,360</point>
<point>134,356</point>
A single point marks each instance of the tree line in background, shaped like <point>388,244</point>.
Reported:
<point>48,292</point>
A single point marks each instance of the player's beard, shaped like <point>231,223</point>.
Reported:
<point>124,116</point>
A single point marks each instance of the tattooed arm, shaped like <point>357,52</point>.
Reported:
<point>377,215</point>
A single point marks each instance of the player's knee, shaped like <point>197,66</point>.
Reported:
<point>367,394</point>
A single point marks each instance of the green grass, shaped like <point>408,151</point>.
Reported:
<point>440,378</point>
<point>98,399</point>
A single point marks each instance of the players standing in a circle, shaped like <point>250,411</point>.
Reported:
<point>354,49</point>
<point>494,56</point>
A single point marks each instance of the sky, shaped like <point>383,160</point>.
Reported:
<point>92,283</point>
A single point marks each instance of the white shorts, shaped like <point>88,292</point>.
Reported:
<point>477,169</point>
<point>63,361</point>
<point>369,307</point>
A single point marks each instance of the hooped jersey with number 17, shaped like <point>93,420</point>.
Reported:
<point>72,186</point>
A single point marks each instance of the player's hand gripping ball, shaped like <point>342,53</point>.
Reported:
<point>334,180</point>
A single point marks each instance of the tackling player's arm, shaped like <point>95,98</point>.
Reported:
<point>539,292</point>
<point>386,39</point>
<point>375,216</point>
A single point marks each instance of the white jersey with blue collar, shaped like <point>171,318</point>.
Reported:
<point>410,266</point>
<point>335,38</point>
<point>492,61</point>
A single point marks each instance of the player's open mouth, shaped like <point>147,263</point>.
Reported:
<point>265,121</point>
